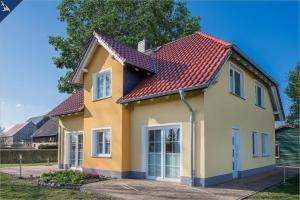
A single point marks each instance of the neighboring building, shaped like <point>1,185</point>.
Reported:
<point>20,134</point>
<point>195,110</point>
<point>46,134</point>
<point>287,146</point>
<point>39,120</point>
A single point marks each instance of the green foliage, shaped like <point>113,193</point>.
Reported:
<point>48,146</point>
<point>24,189</point>
<point>63,177</point>
<point>160,21</point>
<point>289,191</point>
<point>293,92</point>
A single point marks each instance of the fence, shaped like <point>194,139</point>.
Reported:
<point>29,155</point>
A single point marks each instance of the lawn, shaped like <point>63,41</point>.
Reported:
<point>25,164</point>
<point>289,191</point>
<point>24,189</point>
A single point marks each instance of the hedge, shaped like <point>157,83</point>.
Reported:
<point>28,155</point>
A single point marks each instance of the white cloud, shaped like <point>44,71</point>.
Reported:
<point>18,105</point>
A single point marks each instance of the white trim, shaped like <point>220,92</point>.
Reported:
<point>239,147</point>
<point>263,89</point>
<point>237,69</point>
<point>102,43</point>
<point>277,146</point>
<point>255,144</point>
<point>145,144</point>
<point>265,145</point>
<point>96,75</point>
<point>67,149</point>
<point>103,155</point>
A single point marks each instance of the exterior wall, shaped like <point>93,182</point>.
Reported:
<point>67,124</point>
<point>106,113</point>
<point>288,140</point>
<point>163,111</point>
<point>223,111</point>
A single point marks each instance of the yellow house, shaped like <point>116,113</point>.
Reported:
<point>196,110</point>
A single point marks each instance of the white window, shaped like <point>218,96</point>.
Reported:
<point>101,142</point>
<point>255,139</point>
<point>265,150</point>
<point>102,84</point>
<point>236,81</point>
<point>277,151</point>
<point>259,95</point>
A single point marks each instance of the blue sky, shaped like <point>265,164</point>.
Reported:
<point>268,32</point>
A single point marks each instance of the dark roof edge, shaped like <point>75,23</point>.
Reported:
<point>69,112</point>
<point>161,94</point>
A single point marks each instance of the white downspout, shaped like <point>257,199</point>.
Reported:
<point>181,93</point>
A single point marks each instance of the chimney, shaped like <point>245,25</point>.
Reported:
<point>143,45</point>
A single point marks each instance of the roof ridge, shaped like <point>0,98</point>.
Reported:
<point>216,39</point>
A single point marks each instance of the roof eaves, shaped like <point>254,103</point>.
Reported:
<point>161,94</point>
<point>68,112</point>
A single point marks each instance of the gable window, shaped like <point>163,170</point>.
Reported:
<point>265,150</point>
<point>102,84</point>
<point>255,138</point>
<point>101,142</point>
<point>259,95</point>
<point>236,81</point>
<point>277,151</point>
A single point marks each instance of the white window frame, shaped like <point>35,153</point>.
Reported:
<point>255,142</point>
<point>95,86</point>
<point>257,84</point>
<point>265,144</point>
<point>105,130</point>
<point>277,146</point>
<point>234,68</point>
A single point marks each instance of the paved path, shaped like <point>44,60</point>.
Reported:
<point>130,189</point>
<point>28,171</point>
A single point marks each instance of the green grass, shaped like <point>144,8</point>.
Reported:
<point>25,189</point>
<point>25,164</point>
<point>289,191</point>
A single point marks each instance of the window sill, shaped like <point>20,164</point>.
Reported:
<point>260,106</point>
<point>237,96</point>
<point>94,100</point>
<point>102,156</point>
<point>265,155</point>
<point>255,156</point>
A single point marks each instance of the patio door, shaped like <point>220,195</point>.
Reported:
<point>163,153</point>
<point>76,150</point>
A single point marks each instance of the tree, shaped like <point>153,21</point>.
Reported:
<point>160,21</point>
<point>293,92</point>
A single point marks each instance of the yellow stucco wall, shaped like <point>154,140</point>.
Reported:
<point>106,113</point>
<point>69,123</point>
<point>163,111</point>
<point>224,111</point>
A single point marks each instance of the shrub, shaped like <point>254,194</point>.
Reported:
<point>63,177</point>
<point>48,146</point>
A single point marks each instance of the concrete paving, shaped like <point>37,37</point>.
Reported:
<point>28,171</point>
<point>130,189</point>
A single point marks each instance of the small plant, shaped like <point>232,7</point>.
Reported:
<point>63,177</point>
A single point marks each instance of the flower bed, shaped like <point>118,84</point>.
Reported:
<point>68,179</point>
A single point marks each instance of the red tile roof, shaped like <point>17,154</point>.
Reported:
<point>126,54</point>
<point>72,104</point>
<point>286,126</point>
<point>184,63</point>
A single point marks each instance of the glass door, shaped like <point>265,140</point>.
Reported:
<point>154,153</point>
<point>76,150</point>
<point>163,153</point>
